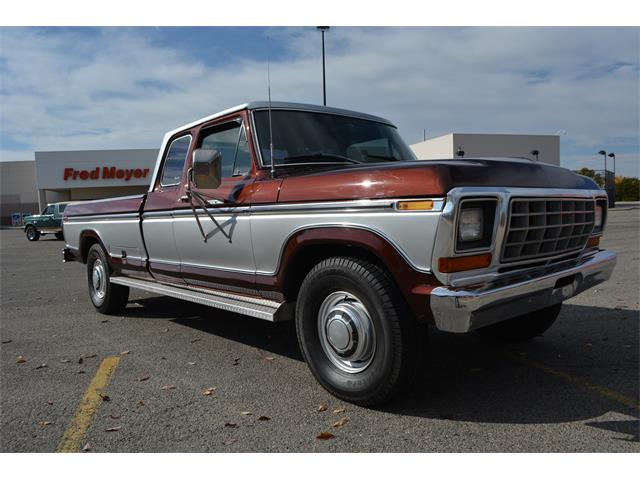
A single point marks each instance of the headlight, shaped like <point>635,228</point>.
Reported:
<point>598,217</point>
<point>470,226</point>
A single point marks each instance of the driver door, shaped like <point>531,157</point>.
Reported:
<point>224,254</point>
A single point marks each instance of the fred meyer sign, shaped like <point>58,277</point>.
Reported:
<point>105,173</point>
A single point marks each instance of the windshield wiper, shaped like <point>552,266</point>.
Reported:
<point>330,156</point>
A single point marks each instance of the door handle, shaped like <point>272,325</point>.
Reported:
<point>184,198</point>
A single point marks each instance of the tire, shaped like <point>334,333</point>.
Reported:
<point>59,235</point>
<point>524,327</point>
<point>32,234</point>
<point>355,332</point>
<point>106,297</point>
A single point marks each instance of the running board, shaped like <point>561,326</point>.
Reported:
<point>244,305</point>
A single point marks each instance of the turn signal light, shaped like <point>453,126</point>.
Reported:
<point>460,264</point>
<point>415,205</point>
<point>593,242</point>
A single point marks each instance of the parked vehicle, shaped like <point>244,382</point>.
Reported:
<point>49,221</point>
<point>325,216</point>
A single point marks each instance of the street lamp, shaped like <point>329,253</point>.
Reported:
<point>324,78</point>
<point>460,152</point>
<point>535,153</point>
<point>604,155</point>
<point>613,155</point>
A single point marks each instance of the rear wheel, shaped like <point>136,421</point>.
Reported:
<point>32,234</point>
<point>105,296</point>
<point>354,331</point>
<point>60,235</point>
<point>524,327</point>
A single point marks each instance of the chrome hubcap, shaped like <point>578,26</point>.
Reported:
<point>346,332</point>
<point>98,279</point>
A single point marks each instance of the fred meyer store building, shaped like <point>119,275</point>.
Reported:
<point>72,176</point>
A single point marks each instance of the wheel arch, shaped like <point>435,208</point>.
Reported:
<point>87,239</point>
<point>306,248</point>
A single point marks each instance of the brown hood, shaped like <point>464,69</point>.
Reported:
<point>424,178</point>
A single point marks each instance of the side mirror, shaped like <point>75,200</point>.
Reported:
<point>206,169</point>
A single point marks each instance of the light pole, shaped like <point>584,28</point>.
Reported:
<point>604,155</point>
<point>324,78</point>
<point>535,153</point>
<point>613,156</point>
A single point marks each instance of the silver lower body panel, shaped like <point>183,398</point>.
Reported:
<point>243,305</point>
<point>464,309</point>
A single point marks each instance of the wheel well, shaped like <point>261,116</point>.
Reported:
<point>308,257</point>
<point>86,241</point>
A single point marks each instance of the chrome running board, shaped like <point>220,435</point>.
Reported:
<point>251,306</point>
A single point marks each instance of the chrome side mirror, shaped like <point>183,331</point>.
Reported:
<point>206,170</point>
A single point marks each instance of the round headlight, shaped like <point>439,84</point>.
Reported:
<point>470,225</point>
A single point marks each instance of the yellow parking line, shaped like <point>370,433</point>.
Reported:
<point>602,391</point>
<point>72,439</point>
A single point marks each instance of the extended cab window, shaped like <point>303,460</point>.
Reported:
<point>62,207</point>
<point>230,140</point>
<point>175,160</point>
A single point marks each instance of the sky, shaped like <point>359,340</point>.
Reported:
<point>116,88</point>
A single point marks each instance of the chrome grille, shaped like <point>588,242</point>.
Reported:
<point>544,227</point>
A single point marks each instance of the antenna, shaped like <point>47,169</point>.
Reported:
<point>270,128</point>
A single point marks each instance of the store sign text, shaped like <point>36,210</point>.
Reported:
<point>105,173</point>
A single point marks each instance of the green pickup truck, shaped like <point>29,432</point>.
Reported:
<point>49,221</point>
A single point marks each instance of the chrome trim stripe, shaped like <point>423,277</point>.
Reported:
<point>102,217</point>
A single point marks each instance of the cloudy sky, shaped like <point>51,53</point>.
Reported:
<point>86,88</point>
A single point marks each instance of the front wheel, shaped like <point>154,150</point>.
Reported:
<point>354,330</point>
<point>106,297</point>
<point>524,327</point>
<point>32,234</point>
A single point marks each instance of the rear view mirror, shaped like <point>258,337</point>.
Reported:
<point>206,168</point>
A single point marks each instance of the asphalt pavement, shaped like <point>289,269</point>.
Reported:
<point>186,378</point>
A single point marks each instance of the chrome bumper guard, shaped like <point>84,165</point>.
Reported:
<point>464,309</point>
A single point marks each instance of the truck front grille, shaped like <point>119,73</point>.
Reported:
<point>544,227</point>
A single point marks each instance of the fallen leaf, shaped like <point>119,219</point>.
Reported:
<point>114,417</point>
<point>49,402</point>
<point>229,442</point>
<point>325,436</point>
<point>126,352</point>
<point>168,387</point>
<point>322,407</point>
<point>45,423</point>
<point>339,410</point>
<point>89,355</point>
<point>42,365</point>
<point>87,447</point>
<point>105,398</point>
<point>144,379</point>
<point>246,413</point>
<point>20,359</point>
<point>236,361</point>
<point>6,341</point>
<point>64,360</point>
<point>231,425</point>
<point>269,358</point>
<point>141,403</point>
<point>340,422</point>
<point>264,418</point>
<point>209,391</point>
<point>112,429</point>
<point>191,363</point>
<point>106,320</point>
<point>197,339</point>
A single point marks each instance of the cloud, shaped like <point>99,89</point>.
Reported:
<point>118,88</point>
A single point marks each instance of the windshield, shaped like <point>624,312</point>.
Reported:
<point>306,137</point>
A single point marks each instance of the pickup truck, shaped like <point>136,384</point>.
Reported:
<point>324,216</point>
<point>49,221</point>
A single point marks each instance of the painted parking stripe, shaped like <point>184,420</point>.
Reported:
<point>72,439</point>
<point>600,390</point>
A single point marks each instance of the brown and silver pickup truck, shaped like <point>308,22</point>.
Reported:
<point>325,216</point>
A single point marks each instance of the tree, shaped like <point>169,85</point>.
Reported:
<point>587,172</point>
<point>627,189</point>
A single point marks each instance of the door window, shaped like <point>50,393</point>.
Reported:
<point>48,210</point>
<point>175,160</point>
<point>230,140</point>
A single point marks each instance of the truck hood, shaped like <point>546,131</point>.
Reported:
<point>425,178</point>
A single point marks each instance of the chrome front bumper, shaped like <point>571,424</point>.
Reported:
<point>464,309</point>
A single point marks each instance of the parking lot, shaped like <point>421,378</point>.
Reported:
<point>181,377</point>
